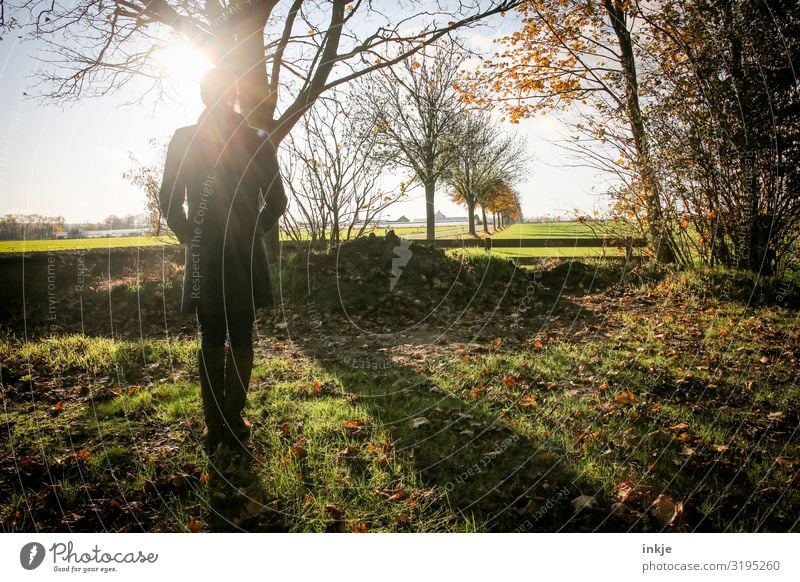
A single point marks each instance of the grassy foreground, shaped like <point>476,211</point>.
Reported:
<point>662,409</point>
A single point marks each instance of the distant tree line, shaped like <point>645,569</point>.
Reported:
<point>38,226</point>
<point>30,226</point>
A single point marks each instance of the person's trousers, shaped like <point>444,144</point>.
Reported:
<point>224,377</point>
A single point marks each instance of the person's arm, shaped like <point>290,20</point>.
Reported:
<point>172,194</point>
<point>269,180</point>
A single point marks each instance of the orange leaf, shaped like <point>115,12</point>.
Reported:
<point>358,527</point>
<point>496,343</point>
<point>624,397</point>
<point>399,496</point>
<point>195,525</point>
<point>509,381</point>
<point>538,344</point>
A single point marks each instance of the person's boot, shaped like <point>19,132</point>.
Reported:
<point>212,390</point>
<point>238,368</point>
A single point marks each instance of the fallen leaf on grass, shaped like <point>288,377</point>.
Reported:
<point>195,525</point>
<point>355,428</point>
<point>419,421</point>
<point>348,453</point>
<point>666,510</point>
<point>624,490</point>
<point>299,450</point>
<point>399,496</point>
<point>624,397</point>
<point>583,502</point>
<point>334,511</point>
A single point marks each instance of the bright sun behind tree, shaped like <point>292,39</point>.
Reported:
<point>183,63</point>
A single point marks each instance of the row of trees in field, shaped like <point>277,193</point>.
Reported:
<point>29,226</point>
<point>694,105</point>
<point>408,119</point>
<point>37,226</point>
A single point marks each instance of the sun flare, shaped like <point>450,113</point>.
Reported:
<point>183,63</point>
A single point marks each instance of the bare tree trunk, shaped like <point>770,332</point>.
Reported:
<point>247,60</point>
<point>471,218</point>
<point>485,222</point>
<point>657,224</point>
<point>430,211</point>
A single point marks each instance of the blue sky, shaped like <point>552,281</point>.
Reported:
<point>68,159</point>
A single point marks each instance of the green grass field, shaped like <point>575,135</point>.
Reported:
<point>515,231</point>
<point>27,246</point>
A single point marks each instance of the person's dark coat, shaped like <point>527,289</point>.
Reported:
<point>228,174</point>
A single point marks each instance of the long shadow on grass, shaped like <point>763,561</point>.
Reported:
<point>486,472</point>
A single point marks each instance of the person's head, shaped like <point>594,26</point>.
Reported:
<point>218,88</point>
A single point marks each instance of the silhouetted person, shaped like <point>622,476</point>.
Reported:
<point>228,174</point>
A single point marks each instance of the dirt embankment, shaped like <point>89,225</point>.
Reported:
<point>98,291</point>
<point>378,284</point>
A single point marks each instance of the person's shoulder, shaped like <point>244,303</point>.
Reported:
<point>184,134</point>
